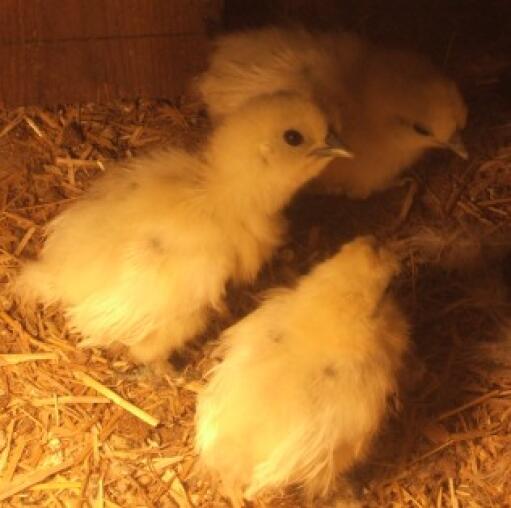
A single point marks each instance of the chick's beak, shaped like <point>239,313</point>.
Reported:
<point>456,145</point>
<point>333,147</point>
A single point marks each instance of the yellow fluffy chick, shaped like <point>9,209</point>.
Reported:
<point>144,256</point>
<point>393,104</point>
<point>304,380</point>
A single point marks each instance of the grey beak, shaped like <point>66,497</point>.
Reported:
<point>334,147</point>
<point>456,145</point>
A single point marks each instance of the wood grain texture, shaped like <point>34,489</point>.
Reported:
<point>59,51</point>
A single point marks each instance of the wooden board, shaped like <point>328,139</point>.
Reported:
<point>59,51</point>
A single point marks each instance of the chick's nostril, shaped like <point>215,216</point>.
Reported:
<point>333,140</point>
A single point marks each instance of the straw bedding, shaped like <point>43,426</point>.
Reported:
<point>88,428</point>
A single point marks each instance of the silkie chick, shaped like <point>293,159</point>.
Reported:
<point>393,105</point>
<point>304,379</point>
<point>145,255</point>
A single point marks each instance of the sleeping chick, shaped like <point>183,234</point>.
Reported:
<point>303,383</point>
<point>146,254</point>
<point>391,105</point>
<point>403,107</point>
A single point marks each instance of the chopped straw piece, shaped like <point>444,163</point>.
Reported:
<point>58,485</point>
<point>23,243</point>
<point>99,502</point>
<point>472,403</point>
<point>14,359</point>
<point>78,162</point>
<point>27,480</point>
<point>116,399</point>
<point>70,399</point>
<point>178,493</point>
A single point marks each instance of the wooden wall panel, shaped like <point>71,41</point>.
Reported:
<point>49,20</point>
<point>435,27</point>
<point>58,51</point>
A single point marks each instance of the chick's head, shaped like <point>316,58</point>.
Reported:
<point>274,144</point>
<point>366,263</point>
<point>422,107</point>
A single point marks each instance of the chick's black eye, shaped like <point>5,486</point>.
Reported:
<point>293,137</point>
<point>420,129</point>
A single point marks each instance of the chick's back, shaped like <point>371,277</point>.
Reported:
<point>132,241</point>
<point>256,62</point>
<point>304,380</point>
